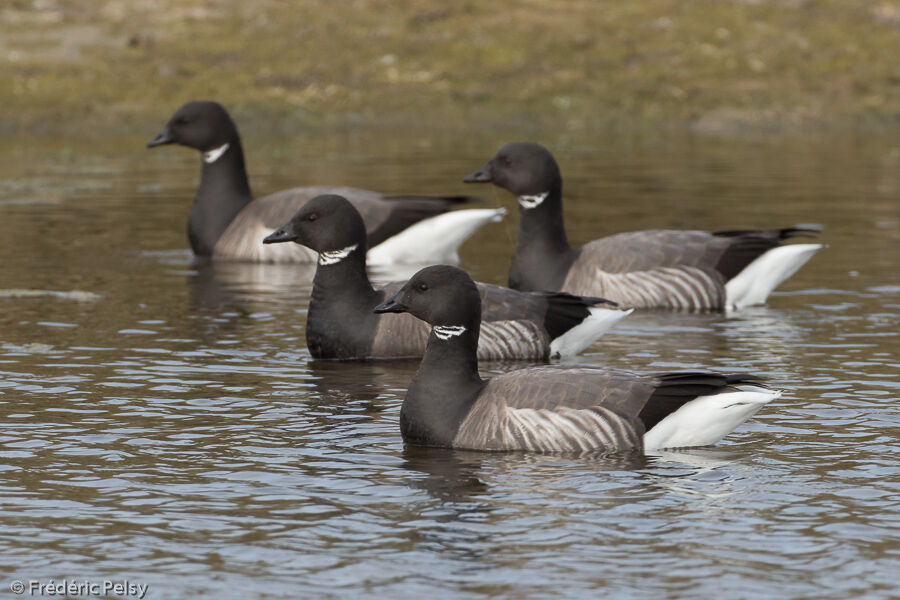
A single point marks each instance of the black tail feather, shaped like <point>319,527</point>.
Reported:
<point>565,311</point>
<point>809,230</point>
<point>750,244</point>
<point>677,389</point>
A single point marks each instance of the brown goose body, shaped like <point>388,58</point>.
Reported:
<point>569,409</point>
<point>341,323</point>
<point>692,270</point>
<point>523,410</point>
<point>227,223</point>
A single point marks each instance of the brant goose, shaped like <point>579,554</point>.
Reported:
<point>692,270</point>
<point>340,322</point>
<point>227,223</point>
<point>552,408</point>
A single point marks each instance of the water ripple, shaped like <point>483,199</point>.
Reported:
<point>175,431</point>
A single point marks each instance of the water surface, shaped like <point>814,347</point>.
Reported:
<point>161,420</point>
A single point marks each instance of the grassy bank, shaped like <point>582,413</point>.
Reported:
<point>713,65</point>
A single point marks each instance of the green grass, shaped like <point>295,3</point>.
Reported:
<point>75,65</point>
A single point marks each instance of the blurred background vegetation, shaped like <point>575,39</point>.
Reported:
<point>73,66</point>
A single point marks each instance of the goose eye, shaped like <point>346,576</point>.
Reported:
<point>423,287</point>
<point>181,121</point>
<point>312,217</point>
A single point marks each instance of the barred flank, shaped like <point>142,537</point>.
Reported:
<point>569,430</point>
<point>512,339</point>
<point>681,288</point>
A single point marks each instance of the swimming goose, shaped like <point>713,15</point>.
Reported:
<point>575,409</point>
<point>340,322</point>
<point>227,223</point>
<point>691,270</point>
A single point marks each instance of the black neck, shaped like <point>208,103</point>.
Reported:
<point>443,389</point>
<point>543,254</point>
<point>341,322</point>
<point>343,279</point>
<point>224,191</point>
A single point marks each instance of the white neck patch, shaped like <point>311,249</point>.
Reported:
<point>215,154</point>
<point>445,332</point>
<point>332,257</point>
<point>533,200</point>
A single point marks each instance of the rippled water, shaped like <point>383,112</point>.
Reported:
<point>161,421</point>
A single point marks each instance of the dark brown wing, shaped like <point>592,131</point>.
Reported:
<point>645,250</point>
<point>571,386</point>
<point>558,409</point>
<point>503,304</point>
